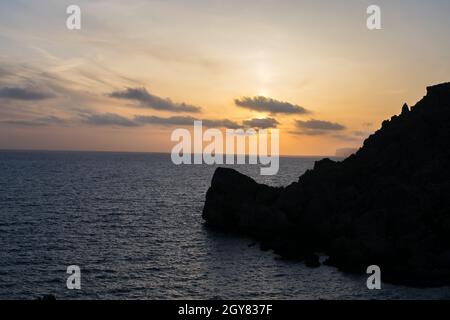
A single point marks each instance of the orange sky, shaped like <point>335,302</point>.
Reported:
<point>59,89</point>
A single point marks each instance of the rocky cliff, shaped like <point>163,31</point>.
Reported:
<point>388,204</point>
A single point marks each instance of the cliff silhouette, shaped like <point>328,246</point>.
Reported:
<point>388,204</point>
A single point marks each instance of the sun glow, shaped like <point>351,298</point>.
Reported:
<point>263,93</point>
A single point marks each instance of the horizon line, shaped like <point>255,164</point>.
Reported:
<point>148,152</point>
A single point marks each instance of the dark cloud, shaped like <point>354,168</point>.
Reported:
<point>109,119</point>
<point>273,106</point>
<point>112,119</point>
<point>265,123</point>
<point>170,121</point>
<point>52,120</point>
<point>38,122</point>
<point>308,132</point>
<point>186,120</point>
<point>347,138</point>
<point>315,127</point>
<point>221,123</point>
<point>23,94</point>
<point>148,100</point>
<point>319,125</point>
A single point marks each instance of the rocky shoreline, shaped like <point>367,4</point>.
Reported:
<point>388,204</point>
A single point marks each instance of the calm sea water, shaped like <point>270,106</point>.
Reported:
<point>132,222</point>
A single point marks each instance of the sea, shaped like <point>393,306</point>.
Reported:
<point>132,223</point>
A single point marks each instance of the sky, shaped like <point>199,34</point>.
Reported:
<point>137,70</point>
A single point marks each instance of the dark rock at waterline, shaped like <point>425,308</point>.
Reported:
<point>388,204</point>
<point>47,297</point>
<point>312,261</point>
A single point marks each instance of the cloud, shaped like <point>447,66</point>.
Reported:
<point>112,119</point>
<point>38,122</point>
<point>170,121</point>
<point>315,127</point>
<point>109,119</point>
<point>347,138</point>
<point>4,72</point>
<point>319,125</point>
<point>148,100</point>
<point>273,106</point>
<point>221,123</point>
<point>27,94</point>
<point>186,120</point>
<point>210,123</point>
<point>265,123</point>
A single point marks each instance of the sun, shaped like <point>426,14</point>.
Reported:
<point>263,93</point>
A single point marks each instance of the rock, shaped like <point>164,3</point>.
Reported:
<point>387,204</point>
<point>405,109</point>
<point>312,261</point>
<point>47,297</point>
<point>237,203</point>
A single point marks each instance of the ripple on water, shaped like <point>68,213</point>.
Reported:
<point>132,222</point>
